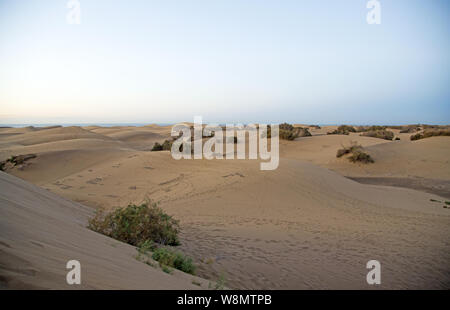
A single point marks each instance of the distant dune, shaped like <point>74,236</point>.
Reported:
<point>305,225</point>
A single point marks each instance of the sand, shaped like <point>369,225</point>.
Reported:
<point>41,232</point>
<point>306,225</point>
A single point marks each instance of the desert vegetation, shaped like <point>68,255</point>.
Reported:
<point>380,134</point>
<point>173,259</point>
<point>342,130</point>
<point>289,132</point>
<point>166,146</point>
<point>136,224</point>
<point>147,227</point>
<point>14,161</point>
<point>356,152</point>
<point>430,133</point>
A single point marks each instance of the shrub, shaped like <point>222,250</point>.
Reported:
<point>286,126</point>
<point>409,129</point>
<point>177,260</point>
<point>357,153</point>
<point>360,156</point>
<point>342,130</point>
<point>136,224</point>
<point>380,134</point>
<point>430,133</point>
<point>347,150</point>
<point>289,132</point>
<point>166,146</point>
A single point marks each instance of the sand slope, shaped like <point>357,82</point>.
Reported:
<point>304,225</point>
<point>40,232</point>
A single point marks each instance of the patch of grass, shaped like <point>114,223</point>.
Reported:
<point>434,200</point>
<point>166,269</point>
<point>430,133</point>
<point>380,134</point>
<point>356,152</point>
<point>342,130</point>
<point>447,203</point>
<point>176,260</point>
<point>136,224</point>
<point>220,284</point>
<point>146,246</point>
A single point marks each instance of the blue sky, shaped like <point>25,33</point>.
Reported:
<point>228,61</point>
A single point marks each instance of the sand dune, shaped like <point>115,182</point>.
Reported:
<point>41,232</point>
<point>304,225</point>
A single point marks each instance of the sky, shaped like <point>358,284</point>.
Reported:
<point>229,61</point>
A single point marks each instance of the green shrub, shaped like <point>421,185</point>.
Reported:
<point>145,246</point>
<point>136,224</point>
<point>380,134</point>
<point>173,259</point>
<point>430,133</point>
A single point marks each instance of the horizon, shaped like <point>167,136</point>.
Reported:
<point>234,61</point>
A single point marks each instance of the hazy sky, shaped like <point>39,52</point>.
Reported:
<point>163,61</point>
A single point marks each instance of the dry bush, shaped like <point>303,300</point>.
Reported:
<point>342,130</point>
<point>360,156</point>
<point>380,134</point>
<point>14,161</point>
<point>289,132</point>
<point>369,128</point>
<point>166,146</point>
<point>430,133</point>
<point>410,129</point>
<point>356,152</point>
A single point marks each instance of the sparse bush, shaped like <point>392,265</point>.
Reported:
<point>347,150</point>
<point>289,132</point>
<point>409,129</point>
<point>136,224</point>
<point>357,153</point>
<point>286,126</point>
<point>430,133</point>
<point>166,146</point>
<point>380,134</point>
<point>177,260</point>
<point>360,156</point>
<point>342,130</point>
<point>14,161</point>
